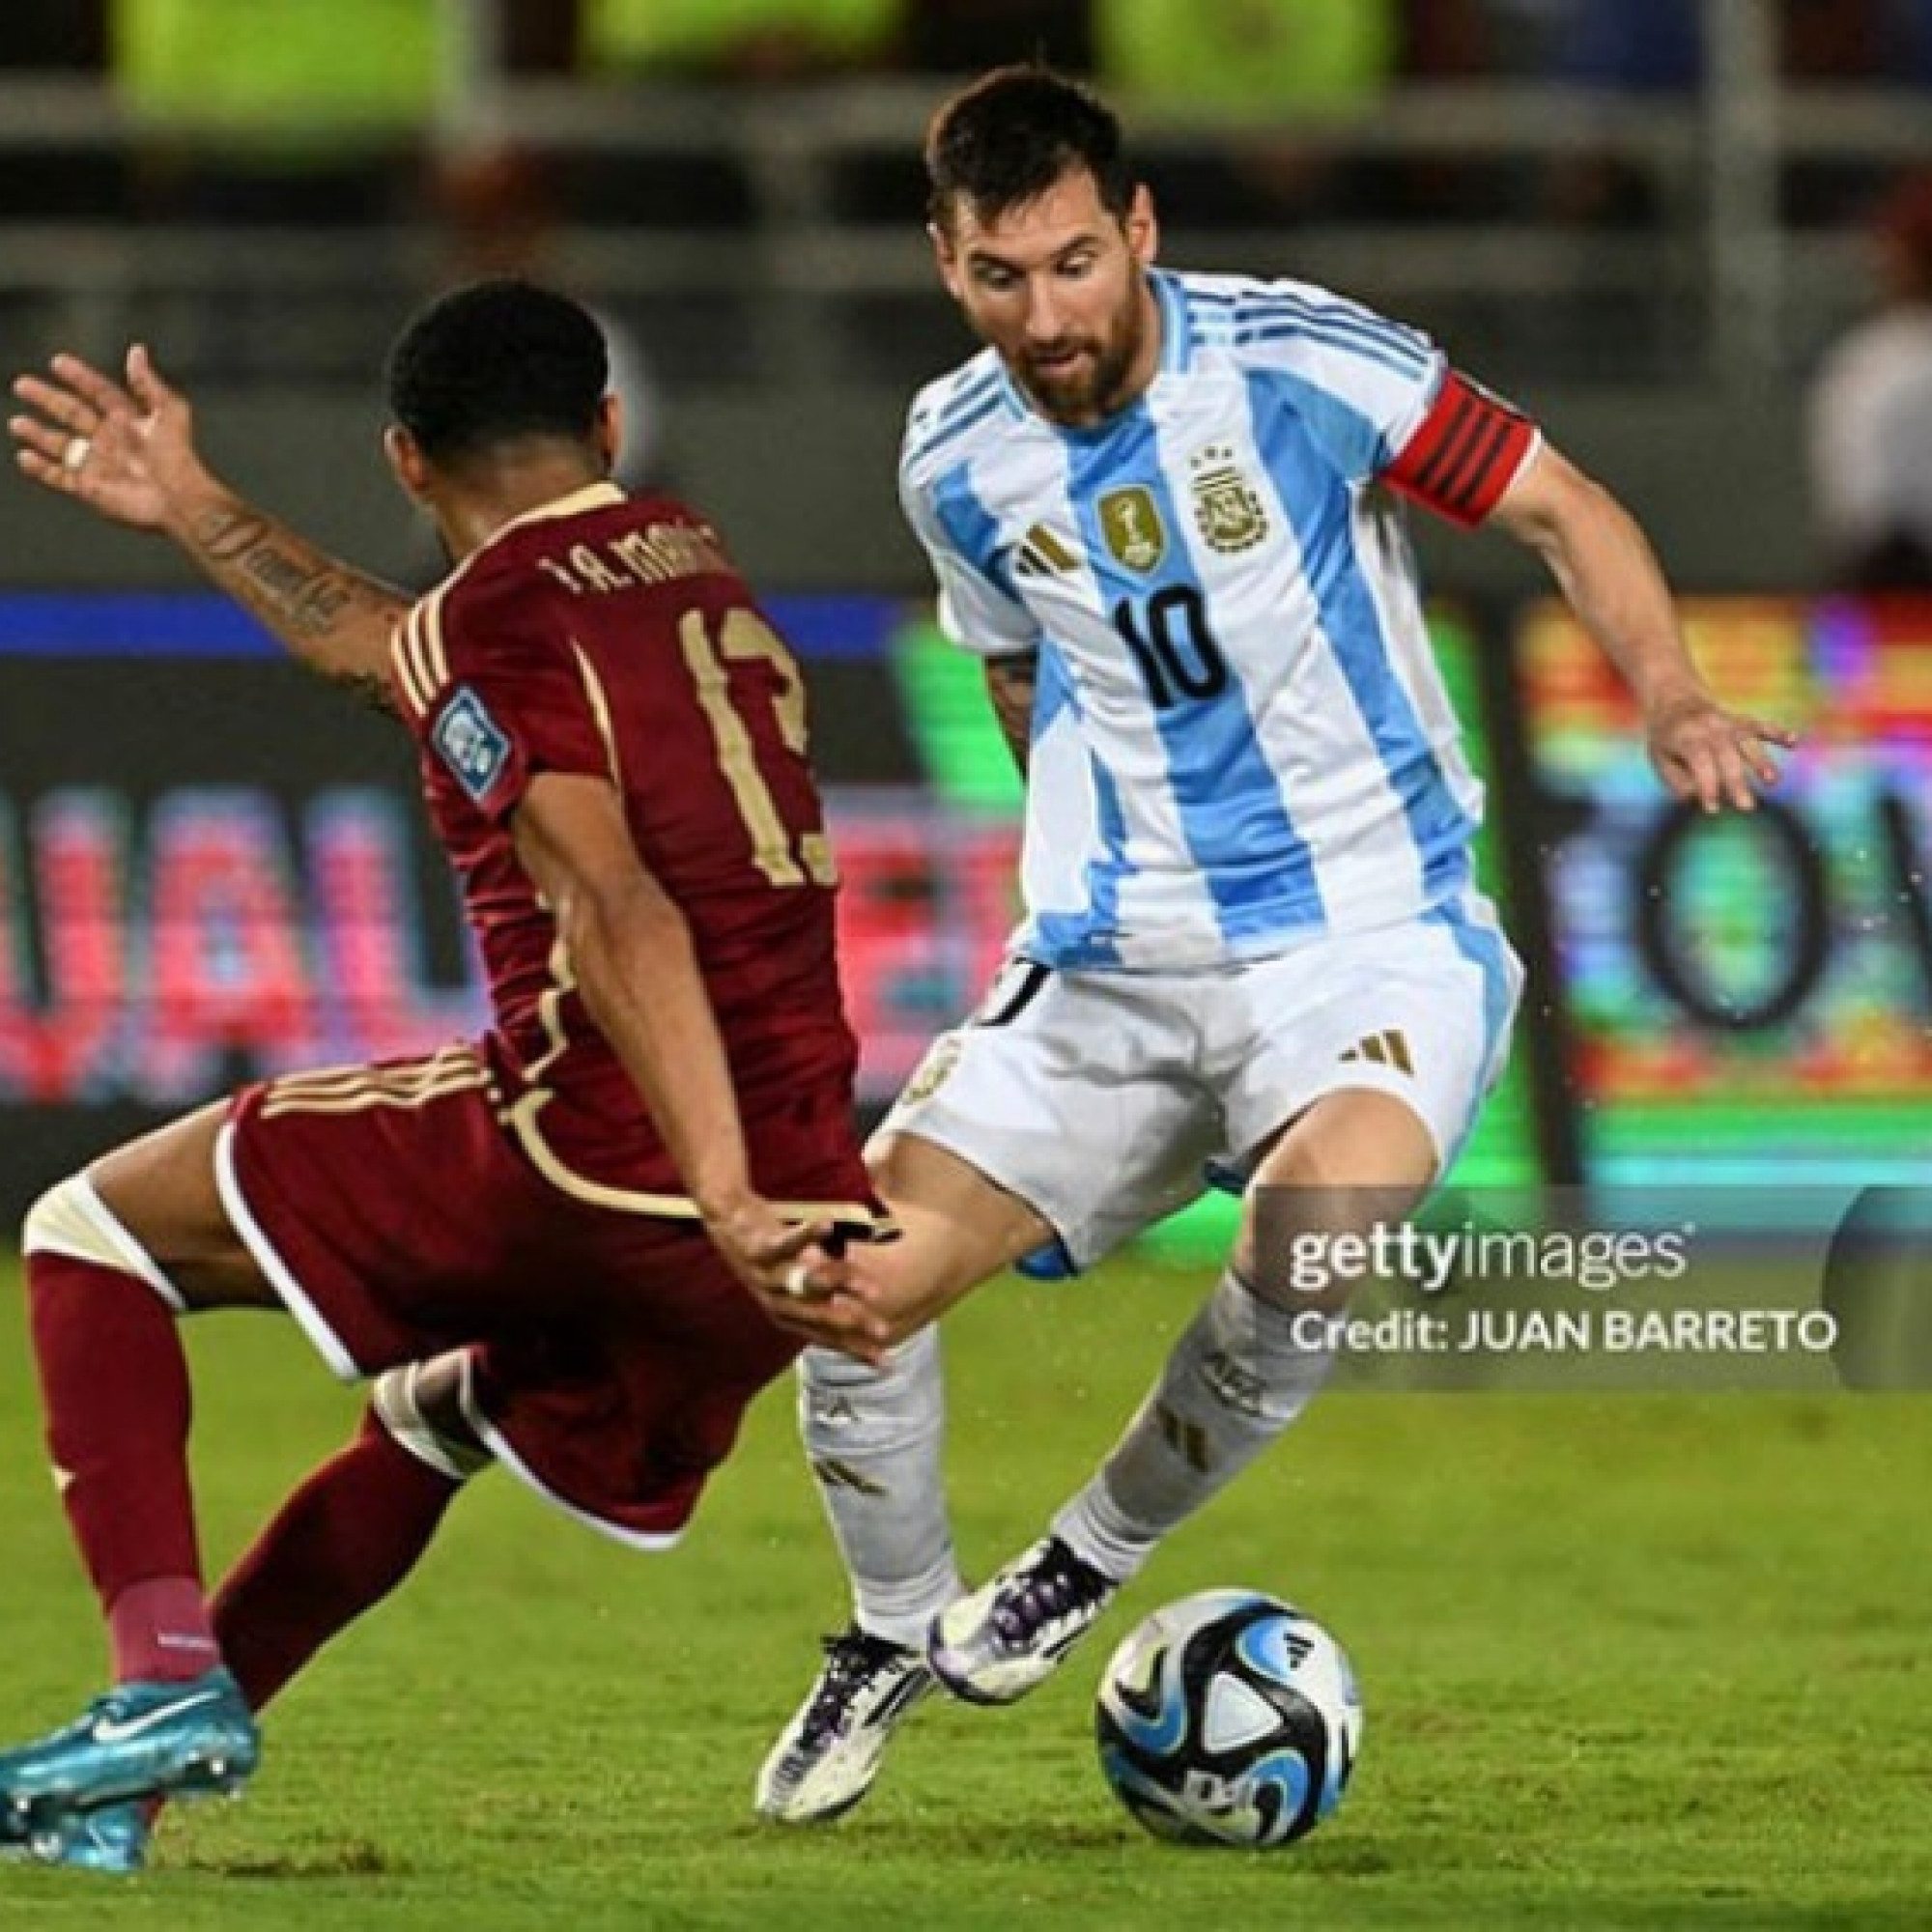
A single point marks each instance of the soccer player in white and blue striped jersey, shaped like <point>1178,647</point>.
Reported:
<point>1166,510</point>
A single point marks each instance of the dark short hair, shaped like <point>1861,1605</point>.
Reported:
<point>493,363</point>
<point>1009,136</point>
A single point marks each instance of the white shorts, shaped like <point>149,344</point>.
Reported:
<point>1099,1097</point>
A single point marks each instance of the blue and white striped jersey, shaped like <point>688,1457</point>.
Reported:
<point>1241,738</point>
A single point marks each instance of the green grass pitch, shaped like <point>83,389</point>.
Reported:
<point>1643,1662</point>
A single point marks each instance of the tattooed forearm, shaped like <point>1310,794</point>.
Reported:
<point>1009,683</point>
<point>285,580</point>
<point>335,619</point>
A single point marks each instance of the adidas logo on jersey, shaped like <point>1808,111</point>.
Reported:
<point>1045,553</point>
<point>1385,1049</point>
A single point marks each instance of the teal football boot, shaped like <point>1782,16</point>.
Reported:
<point>114,1838</point>
<point>138,1739</point>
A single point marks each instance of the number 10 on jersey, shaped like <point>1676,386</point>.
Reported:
<point>1172,644</point>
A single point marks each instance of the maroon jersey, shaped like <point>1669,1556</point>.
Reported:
<point>604,636</point>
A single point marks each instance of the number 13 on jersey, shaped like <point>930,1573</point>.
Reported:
<point>742,637</point>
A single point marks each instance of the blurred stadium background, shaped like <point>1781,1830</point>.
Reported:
<point>1646,221</point>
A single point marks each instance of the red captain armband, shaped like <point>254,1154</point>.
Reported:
<point>1465,453</point>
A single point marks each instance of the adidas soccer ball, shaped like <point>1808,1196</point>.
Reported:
<point>1228,1718</point>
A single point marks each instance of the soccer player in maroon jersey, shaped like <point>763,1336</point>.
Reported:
<point>540,1244</point>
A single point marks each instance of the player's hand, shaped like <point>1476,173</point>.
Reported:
<point>125,449</point>
<point>799,1281</point>
<point>1711,756</point>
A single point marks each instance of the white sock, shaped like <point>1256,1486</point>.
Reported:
<point>873,1438</point>
<point>1231,1384</point>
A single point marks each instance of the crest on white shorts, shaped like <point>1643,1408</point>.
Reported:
<point>931,1073</point>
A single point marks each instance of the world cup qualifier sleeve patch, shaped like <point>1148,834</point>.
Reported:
<point>474,746</point>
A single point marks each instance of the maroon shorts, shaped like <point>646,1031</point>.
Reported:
<point>613,1353</point>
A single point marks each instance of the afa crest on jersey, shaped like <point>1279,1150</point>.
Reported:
<point>472,744</point>
<point>1130,522</point>
<point>1227,509</point>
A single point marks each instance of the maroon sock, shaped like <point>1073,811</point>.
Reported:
<point>340,1543</point>
<point>115,1387</point>
<point>346,1537</point>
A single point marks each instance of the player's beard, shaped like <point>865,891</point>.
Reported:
<point>1094,388</point>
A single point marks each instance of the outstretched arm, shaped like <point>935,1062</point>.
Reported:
<point>1610,578</point>
<point>126,450</point>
